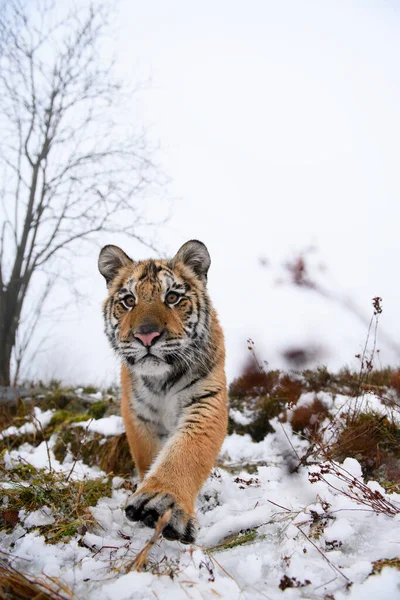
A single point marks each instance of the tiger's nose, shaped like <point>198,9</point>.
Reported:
<point>146,334</point>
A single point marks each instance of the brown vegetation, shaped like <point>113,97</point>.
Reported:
<point>110,454</point>
<point>308,419</point>
<point>374,441</point>
<point>263,395</point>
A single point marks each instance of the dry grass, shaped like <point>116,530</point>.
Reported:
<point>15,585</point>
<point>111,454</point>
<point>242,538</point>
<point>263,394</point>
<point>69,501</point>
<point>370,438</point>
<point>378,565</point>
<point>374,441</point>
<point>308,419</point>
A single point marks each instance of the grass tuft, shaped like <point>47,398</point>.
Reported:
<point>378,565</point>
<point>68,500</point>
<point>111,454</point>
<point>237,539</point>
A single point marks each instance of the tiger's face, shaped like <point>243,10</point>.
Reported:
<point>157,315</point>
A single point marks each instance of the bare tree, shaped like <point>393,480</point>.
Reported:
<point>70,167</point>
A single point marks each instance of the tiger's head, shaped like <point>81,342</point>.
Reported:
<point>157,316</point>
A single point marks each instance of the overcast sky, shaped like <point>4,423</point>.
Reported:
<point>279,127</point>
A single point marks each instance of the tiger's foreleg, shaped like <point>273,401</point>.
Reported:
<point>181,468</point>
<point>143,444</point>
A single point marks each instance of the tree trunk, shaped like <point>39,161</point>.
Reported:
<point>5,363</point>
<point>10,311</point>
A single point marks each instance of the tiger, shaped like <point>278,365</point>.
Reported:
<point>160,321</point>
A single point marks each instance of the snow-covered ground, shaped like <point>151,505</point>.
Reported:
<point>264,532</point>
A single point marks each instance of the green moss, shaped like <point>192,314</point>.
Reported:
<point>90,389</point>
<point>69,500</point>
<point>59,419</point>
<point>94,489</point>
<point>98,409</point>
<point>55,384</point>
<point>64,532</point>
<point>65,417</point>
<point>238,539</point>
<point>71,439</point>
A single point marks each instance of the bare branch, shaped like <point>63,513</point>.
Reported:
<point>73,168</point>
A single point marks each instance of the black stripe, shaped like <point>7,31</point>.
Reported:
<point>144,419</point>
<point>151,384</point>
<point>202,410</point>
<point>189,310</point>
<point>152,270</point>
<point>171,345</point>
<point>191,422</point>
<point>207,310</point>
<point>198,309</point>
<point>203,397</point>
<point>145,273</point>
<point>143,401</point>
<point>176,375</point>
<point>191,383</point>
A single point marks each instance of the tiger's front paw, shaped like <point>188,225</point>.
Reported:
<point>148,507</point>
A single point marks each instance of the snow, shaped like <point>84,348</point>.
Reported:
<point>39,421</point>
<point>239,417</point>
<point>306,535</point>
<point>112,425</point>
<point>385,586</point>
<point>249,569</point>
<point>36,517</point>
<point>42,457</point>
<point>353,467</point>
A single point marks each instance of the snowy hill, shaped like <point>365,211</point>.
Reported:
<point>279,518</point>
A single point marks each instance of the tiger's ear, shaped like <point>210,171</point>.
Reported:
<point>195,255</point>
<point>111,260</point>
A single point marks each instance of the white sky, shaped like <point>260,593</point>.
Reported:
<point>279,127</point>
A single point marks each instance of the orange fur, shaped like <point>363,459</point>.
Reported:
<point>171,472</point>
<point>184,470</point>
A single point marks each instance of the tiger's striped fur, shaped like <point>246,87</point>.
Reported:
<point>173,390</point>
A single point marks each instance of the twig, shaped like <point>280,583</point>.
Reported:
<point>290,443</point>
<point>279,506</point>
<point>77,457</point>
<point>140,558</point>
<point>332,566</point>
<point>35,419</point>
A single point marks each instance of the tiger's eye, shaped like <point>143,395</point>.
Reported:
<point>128,301</point>
<point>172,298</point>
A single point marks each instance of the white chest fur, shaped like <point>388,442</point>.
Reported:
<point>160,409</point>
